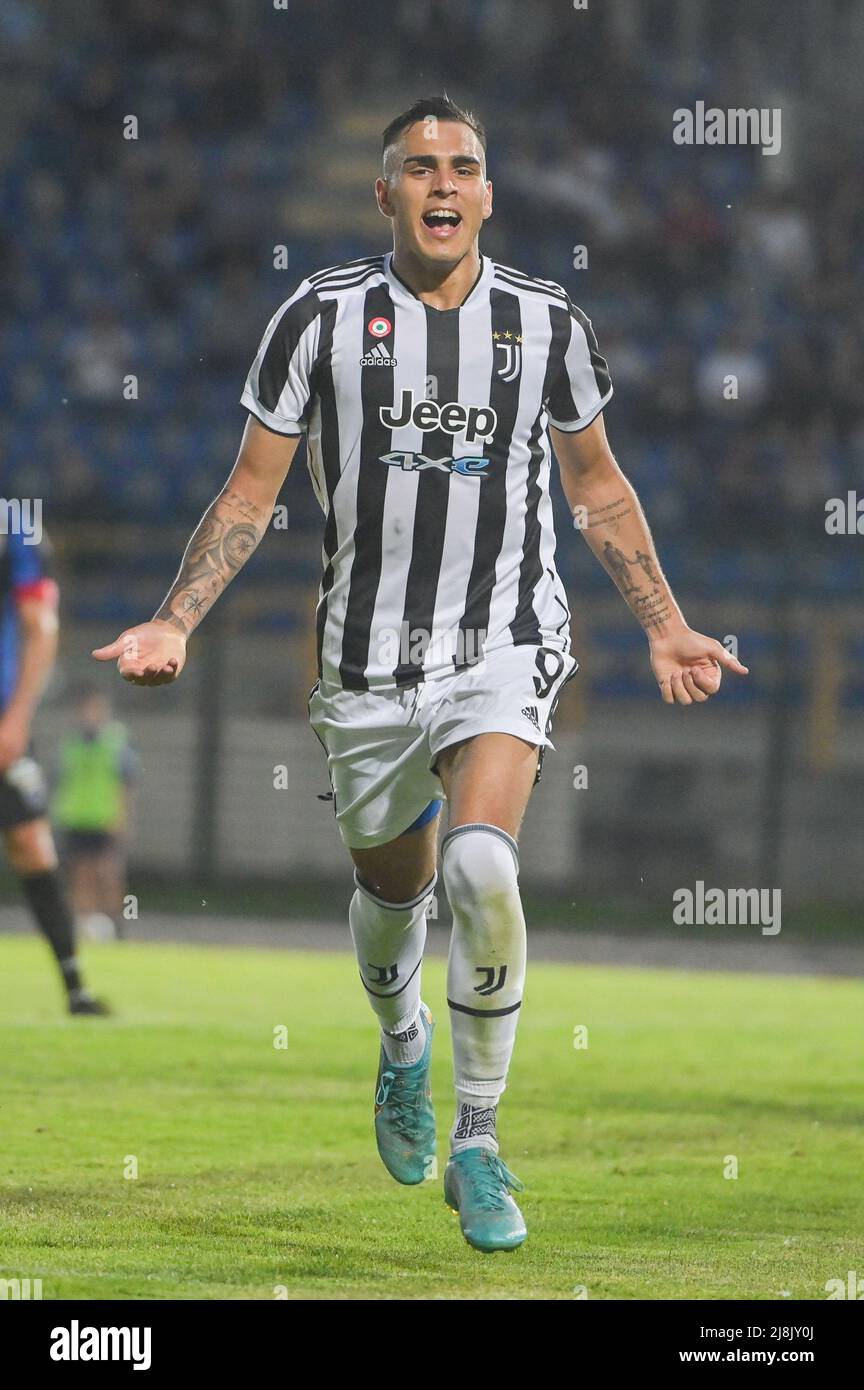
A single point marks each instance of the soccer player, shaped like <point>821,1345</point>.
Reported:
<point>91,809</point>
<point>423,381</point>
<point>28,646</point>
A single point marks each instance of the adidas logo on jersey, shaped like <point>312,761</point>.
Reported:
<point>378,357</point>
<point>530,713</point>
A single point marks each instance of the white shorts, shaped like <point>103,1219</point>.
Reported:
<point>382,746</point>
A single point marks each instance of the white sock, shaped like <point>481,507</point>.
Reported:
<point>389,939</point>
<point>405,1048</point>
<point>474,1128</point>
<point>486,967</point>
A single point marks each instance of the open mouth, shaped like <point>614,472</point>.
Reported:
<point>442,222</point>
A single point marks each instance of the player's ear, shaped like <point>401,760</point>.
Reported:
<point>487,200</point>
<point>382,197</point>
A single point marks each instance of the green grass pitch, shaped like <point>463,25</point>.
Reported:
<point>257,1170</point>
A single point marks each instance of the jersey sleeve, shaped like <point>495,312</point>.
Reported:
<point>280,384</point>
<point>31,569</point>
<point>582,386</point>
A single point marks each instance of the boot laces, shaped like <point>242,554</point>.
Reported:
<point>491,1179</point>
<point>403,1094</point>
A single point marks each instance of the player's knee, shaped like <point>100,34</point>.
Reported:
<point>480,865</point>
<point>397,893</point>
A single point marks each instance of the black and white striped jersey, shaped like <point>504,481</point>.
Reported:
<point>428,452</point>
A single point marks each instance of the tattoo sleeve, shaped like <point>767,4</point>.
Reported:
<point>226,536</point>
<point>637,575</point>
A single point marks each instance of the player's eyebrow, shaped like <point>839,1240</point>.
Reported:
<point>431,160</point>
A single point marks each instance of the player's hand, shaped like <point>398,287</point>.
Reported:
<point>688,666</point>
<point>14,738</point>
<point>151,654</point>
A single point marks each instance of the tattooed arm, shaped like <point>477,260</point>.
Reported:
<point>154,653</point>
<point>227,534</point>
<point>606,510</point>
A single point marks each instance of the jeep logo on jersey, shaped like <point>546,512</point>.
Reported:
<point>476,421</point>
<point>411,462</point>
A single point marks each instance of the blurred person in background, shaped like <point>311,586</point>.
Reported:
<point>28,645</point>
<point>91,807</point>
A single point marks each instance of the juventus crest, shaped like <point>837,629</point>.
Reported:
<point>509,369</point>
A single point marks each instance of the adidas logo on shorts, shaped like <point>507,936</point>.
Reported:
<point>530,713</point>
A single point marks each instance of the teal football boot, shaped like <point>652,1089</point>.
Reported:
<point>477,1185</point>
<point>404,1118</point>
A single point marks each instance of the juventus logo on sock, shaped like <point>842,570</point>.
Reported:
<point>474,1120</point>
<point>386,973</point>
<point>490,984</point>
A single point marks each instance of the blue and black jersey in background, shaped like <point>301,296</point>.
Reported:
<point>26,571</point>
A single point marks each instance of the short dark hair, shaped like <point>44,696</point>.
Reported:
<point>441,107</point>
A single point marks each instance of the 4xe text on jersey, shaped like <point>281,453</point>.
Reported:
<point>409,461</point>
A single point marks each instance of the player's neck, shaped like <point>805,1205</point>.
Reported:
<point>442,287</point>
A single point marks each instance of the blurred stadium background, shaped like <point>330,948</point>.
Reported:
<point>259,127</point>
